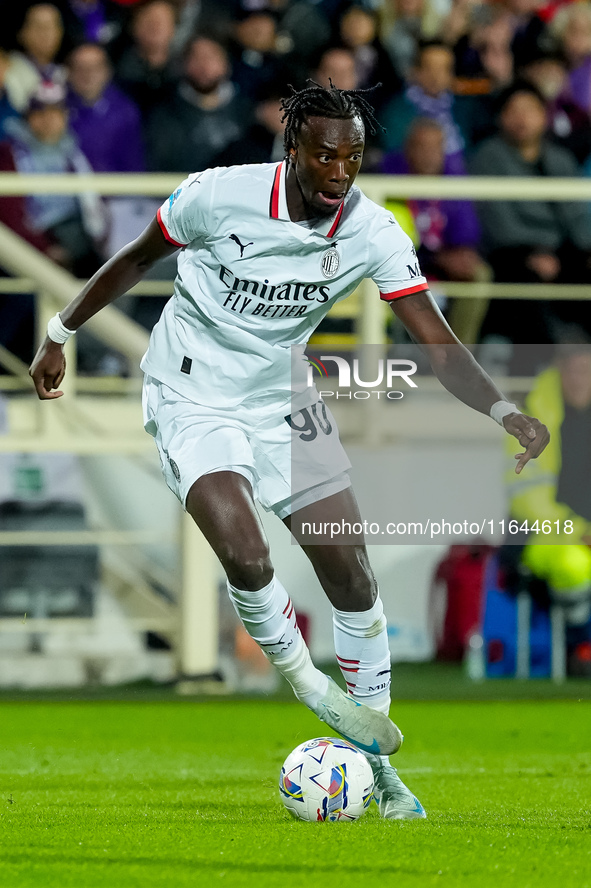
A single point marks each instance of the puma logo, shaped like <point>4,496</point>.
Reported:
<point>234,237</point>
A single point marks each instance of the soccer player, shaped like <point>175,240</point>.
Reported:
<point>266,250</point>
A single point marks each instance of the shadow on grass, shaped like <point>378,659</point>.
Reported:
<point>174,863</point>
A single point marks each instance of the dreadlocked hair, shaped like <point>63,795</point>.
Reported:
<point>317,101</point>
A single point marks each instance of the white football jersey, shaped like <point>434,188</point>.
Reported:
<point>252,284</point>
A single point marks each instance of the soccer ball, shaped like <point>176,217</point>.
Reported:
<point>326,779</point>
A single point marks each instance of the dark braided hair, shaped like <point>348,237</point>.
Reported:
<point>317,101</point>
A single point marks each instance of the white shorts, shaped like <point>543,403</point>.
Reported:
<point>290,461</point>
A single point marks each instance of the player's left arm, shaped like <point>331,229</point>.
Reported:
<point>461,374</point>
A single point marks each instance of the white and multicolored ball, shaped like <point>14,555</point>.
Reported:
<point>326,779</point>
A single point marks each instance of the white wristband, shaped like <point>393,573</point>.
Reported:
<point>56,330</point>
<point>502,408</point>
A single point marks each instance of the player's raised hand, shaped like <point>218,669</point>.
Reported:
<point>48,369</point>
<point>531,434</point>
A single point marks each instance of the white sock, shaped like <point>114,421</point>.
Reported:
<point>269,617</point>
<point>363,655</point>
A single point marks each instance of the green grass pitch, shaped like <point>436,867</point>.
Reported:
<point>184,793</point>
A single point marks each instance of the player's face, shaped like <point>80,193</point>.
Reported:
<point>325,162</point>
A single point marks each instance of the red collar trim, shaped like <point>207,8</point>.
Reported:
<point>335,224</point>
<point>274,208</point>
<point>325,228</point>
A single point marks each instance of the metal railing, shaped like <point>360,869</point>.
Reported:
<point>122,334</point>
<point>379,188</point>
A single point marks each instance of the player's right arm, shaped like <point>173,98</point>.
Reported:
<point>125,269</point>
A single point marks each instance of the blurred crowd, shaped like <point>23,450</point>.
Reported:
<point>485,87</point>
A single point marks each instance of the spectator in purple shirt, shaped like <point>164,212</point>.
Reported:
<point>106,122</point>
<point>572,27</point>
<point>428,94</point>
<point>448,231</point>
<point>568,124</point>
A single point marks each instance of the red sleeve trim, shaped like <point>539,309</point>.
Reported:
<point>389,297</point>
<point>170,239</point>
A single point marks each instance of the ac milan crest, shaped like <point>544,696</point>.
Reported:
<point>330,262</point>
